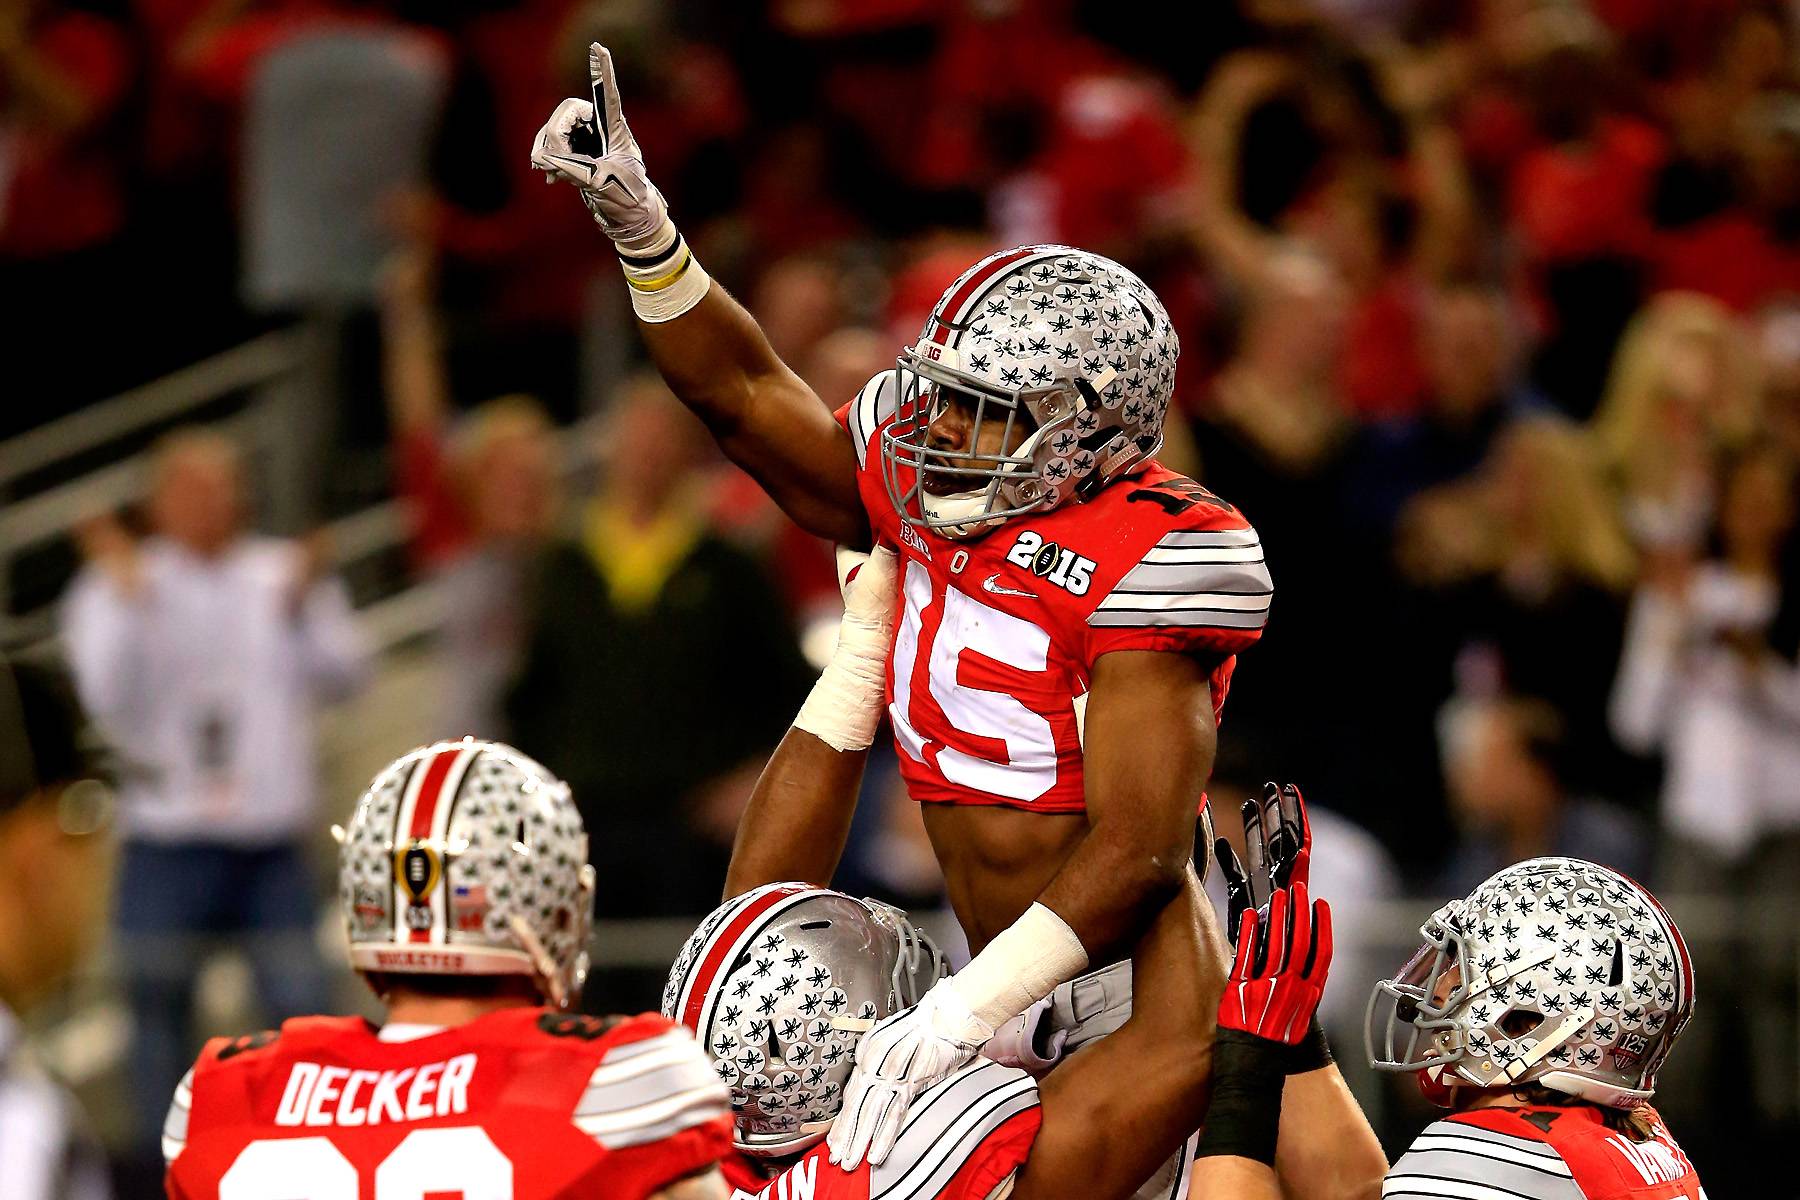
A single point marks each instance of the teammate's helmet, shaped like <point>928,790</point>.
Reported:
<point>779,984</point>
<point>468,858</point>
<point>1555,971</point>
<point>1062,343</point>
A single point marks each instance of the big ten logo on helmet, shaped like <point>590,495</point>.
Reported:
<point>1047,560</point>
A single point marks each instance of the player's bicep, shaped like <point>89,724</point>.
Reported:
<point>1148,742</point>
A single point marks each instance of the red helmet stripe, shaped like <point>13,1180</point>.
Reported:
<point>431,791</point>
<point>700,983</point>
<point>950,307</point>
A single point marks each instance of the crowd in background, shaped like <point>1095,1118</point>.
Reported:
<point>1490,315</point>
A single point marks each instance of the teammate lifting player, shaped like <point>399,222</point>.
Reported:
<point>468,898</point>
<point>1071,608</point>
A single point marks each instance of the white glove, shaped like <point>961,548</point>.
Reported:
<point>844,708</point>
<point>1015,1044</point>
<point>611,175</point>
<point>896,1060</point>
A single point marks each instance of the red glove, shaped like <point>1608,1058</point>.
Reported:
<point>1275,999</point>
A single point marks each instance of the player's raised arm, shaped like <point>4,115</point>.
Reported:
<point>799,815</point>
<point>710,351</point>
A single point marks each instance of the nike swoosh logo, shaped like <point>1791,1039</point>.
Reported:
<point>991,584</point>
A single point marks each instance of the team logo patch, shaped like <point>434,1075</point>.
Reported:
<point>418,868</point>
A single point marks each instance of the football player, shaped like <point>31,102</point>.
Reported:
<point>1539,1010</point>
<point>1104,1090</point>
<point>780,983</point>
<point>1071,609</point>
<point>468,899</point>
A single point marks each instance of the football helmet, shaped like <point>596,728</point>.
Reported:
<point>468,858</point>
<point>1554,971</point>
<point>1065,347</point>
<point>779,984</point>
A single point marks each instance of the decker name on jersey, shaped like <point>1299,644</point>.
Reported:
<point>524,1103</point>
<point>964,1139</point>
<point>995,649</point>
<point>1541,1153</point>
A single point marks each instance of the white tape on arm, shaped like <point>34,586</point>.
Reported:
<point>1022,965</point>
<point>666,279</point>
<point>844,708</point>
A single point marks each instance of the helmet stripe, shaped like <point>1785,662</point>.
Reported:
<point>725,945</point>
<point>425,815</point>
<point>950,308</point>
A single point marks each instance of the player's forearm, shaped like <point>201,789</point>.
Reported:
<point>716,360</point>
<point>1327,1150</point>
<point>799,815</point>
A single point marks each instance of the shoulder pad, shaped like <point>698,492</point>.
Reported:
<point>225,1049</point>
<point>577,1025</point>
<point>1455,1158</point>
<point>946,1126</point>
<point>871,409</point>
<point>650,1088</point>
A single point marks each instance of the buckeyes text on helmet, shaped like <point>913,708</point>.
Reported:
<point>468,858</point>
<point>1067,354</point>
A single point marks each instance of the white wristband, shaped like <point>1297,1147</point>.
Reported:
<point>1022,965</point>
<point>666,279</point>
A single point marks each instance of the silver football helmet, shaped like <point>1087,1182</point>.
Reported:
<point>779,984</point>
<point>1065,347</point>
<point>1554,971</point>
<point>468,858</point>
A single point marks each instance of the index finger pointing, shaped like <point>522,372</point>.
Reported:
<point>609,116</point>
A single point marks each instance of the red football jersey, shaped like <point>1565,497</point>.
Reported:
<point>998,635</point>
<point>1541,1153</point>
<point>524,1103</point>
<point>960,1140</point>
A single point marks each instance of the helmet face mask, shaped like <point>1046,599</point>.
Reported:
<point>779,985</point>
<point>1555,971</point>
<point>1067,355</point>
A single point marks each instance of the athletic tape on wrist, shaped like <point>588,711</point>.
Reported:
<point>1313,1053</point>
<point>1244,1117</point>
<point>666,280</point>
<point>1024,963</point>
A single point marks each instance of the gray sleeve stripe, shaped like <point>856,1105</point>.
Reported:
<point>1461,1144</point>
<point>175,1125</point>
<point>645,1089</point>
<point>941,1144</point>
<point>1176,578</point>
<point>1475,1133</point>
<point>1176,618</point>
<point>1233,538</point>
<point>939,1107</point>
<point>872,406</point>
<point>671,1114</point>
<point>1472,1164</point>
<point>1526,1186</point>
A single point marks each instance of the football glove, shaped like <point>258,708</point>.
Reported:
<point>1278,976</point>
<point>1278,845</point>
<point>899,1058</point>
<point>588,143</point>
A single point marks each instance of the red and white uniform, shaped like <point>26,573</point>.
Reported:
<point>963,1140</point>
<point>998,636</point>
<point>1540,1153</point>
<point>524,1103</point>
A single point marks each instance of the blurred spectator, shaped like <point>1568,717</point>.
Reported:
<point>1519,577</point>
<point>55,859</point>
<point>658,666</point>
<point>1506,762</point>
<point>482,493</point>
<point>64,75</point>
<point>1683,391</point>
<point>1710,678</point>
<point>201,652</point>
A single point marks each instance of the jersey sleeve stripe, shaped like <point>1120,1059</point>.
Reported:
<point>1212,601</point>
<point>1176,617</point>
<point>652,1054</point>
<point>1459,1160</point>
<point>874,404</point>
<point>1203,555</point>
<point>175,1125</point>
<point>627,1094</point>
<point>1232,578</point>
<point>659,1119</point>
<point>1479,1133</point>
<point>1523,1185</point>
<point>927,1177</point>
<point>939,1106</point>
<point>1188,538</point>
<point>1526,1154</point>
